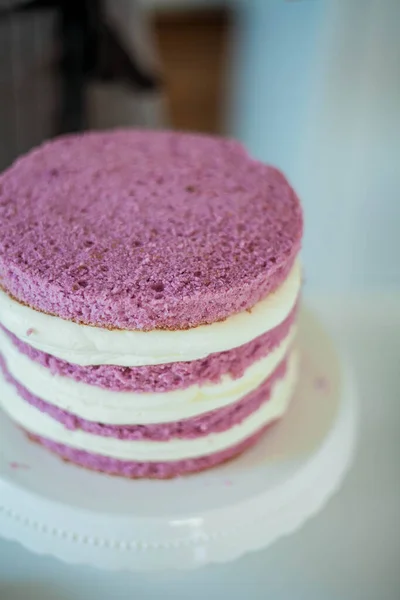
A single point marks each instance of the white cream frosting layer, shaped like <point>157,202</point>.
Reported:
<point>85,345</point>
<point>40,424</point>
<point>123,408</point>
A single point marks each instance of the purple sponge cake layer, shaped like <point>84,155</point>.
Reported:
<point>143,230</point>
<point>168,377</point>
<point>149,470</point>
<point>205,424</point>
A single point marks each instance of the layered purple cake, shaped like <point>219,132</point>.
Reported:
<point>149,285</point>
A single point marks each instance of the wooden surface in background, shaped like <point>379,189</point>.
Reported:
<point>192,48</point>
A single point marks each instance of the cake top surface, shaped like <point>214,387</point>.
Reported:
<point>139,229</point>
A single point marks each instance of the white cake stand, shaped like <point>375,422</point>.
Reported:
<point>52,507</point>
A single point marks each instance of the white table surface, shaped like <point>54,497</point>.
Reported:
<point>351,550</point>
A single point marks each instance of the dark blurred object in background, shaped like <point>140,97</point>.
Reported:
<point>68,66</point>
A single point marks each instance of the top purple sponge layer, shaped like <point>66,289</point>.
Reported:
<point>140,230</point>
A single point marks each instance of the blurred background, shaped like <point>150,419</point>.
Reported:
<point>311,86</point>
